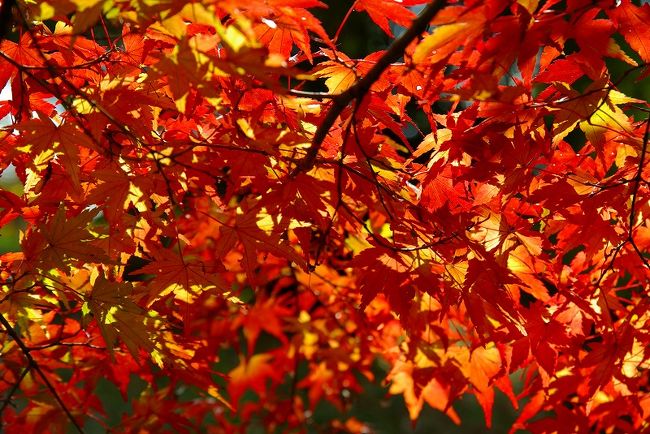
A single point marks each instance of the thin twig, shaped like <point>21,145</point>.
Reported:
<point>32,363</point>
<point>13,390</point>
<point>312,95</point>
<point>635,190</point>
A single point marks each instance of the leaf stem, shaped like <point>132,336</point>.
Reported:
<point>635,190</point>
<point>344,20</point>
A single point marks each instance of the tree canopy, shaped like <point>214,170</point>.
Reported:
<point>230,220</point>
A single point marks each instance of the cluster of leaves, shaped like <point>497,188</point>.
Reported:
<point>469,204</point>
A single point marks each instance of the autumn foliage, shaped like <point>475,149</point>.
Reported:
<point>216,177</point>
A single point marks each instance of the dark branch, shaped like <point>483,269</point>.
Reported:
<point>32,364</point>
<point>362,86</point>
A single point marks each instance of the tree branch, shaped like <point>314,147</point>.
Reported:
<point>359,89</point>
<point>32,363</point>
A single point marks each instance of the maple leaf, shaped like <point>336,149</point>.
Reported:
<point>481,367</point>
<point>289,28</point>
<point>64,239</point>
<point>43,135</point>
<point>266,317</point>
<point>447,37</point>
<point>11,206</point>
<point>283,24</point>
<point>437,392</point>
<point>632,20</point>
<point>23,53</point>
<point>342,72</point>
<point>471,197</point>
<point>173,272</point>
<point>116,190</point>
<point>190,69</point>
<point>118,315</point>
<point>385,273</point>
<point>252,374</point>
<point>594,110</point>
<point>382,11</point>
<point>247,231</point>
<point>438,189</point>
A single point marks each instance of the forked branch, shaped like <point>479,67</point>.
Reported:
<point>359,89</point>
<point>33,365</point>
